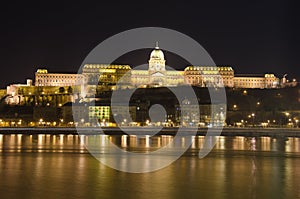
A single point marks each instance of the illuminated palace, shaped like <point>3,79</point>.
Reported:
<point>109,77</point>
<point>157,75</point>
<point>122,76</point>
<point>49,100</point>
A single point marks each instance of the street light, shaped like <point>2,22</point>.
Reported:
<point>61,121</point>
<point>287,114</point>
<point>253,115</point>
<point>235,107</point>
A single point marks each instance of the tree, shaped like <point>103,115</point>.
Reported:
<point>70,89</point>
<point>61,89</point>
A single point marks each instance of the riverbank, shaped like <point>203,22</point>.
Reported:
<point>226,131</point>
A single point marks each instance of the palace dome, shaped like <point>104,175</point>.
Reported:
<point>157,53</point>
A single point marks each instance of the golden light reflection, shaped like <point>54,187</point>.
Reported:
<point>156,141</point>
<point>40,139</point>
<point>159,142</point>
<point>61,138</point>
<point>70,138</point>
<point>47,138</point>
<point>292,145</point>
<point>183,142</point>
<point>166,139</point>
<point>1,142</point>
<point>265,143</point>
<point>124,141</point>
<point>288,147</point>
<point>103,139</point>
<point>60,143</point>
<point>193,141</point>
<point>82,139</point>
<point>220,143</point>
<point>239,143</point>
<point>147,141</point>
<point>133,141</point>
<point>199,141</point>
<point>53,139</point>
<point>19,142</point>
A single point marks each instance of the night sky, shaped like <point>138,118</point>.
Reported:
<point>251,36</point>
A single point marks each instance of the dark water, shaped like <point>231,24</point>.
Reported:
<point>58,166</point>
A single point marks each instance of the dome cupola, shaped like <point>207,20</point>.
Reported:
<point>157,53</point>
<point>157,60</point>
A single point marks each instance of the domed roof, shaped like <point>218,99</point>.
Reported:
<point>157,53</point>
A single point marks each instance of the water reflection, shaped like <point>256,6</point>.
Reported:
<point>58,166</point>
<point>41,143</point>
<point>63,143</point>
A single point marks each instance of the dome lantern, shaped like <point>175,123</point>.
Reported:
<point>157,53</point>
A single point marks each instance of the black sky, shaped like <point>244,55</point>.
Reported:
<point>252,36</point>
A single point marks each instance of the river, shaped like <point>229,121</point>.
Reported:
<point>59,166</point>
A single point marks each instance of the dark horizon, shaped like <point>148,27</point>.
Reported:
<point>254,37</point>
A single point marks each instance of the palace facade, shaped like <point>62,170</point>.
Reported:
<point>43,78</point>
<point>101,77</point>
<point>123,76</point>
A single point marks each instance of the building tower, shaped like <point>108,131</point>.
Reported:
<point>157,68</point>
<point>157,61</point>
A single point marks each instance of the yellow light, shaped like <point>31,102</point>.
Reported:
<point>238,123</point>
<point>107,70</point>
<point>42,71</point>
